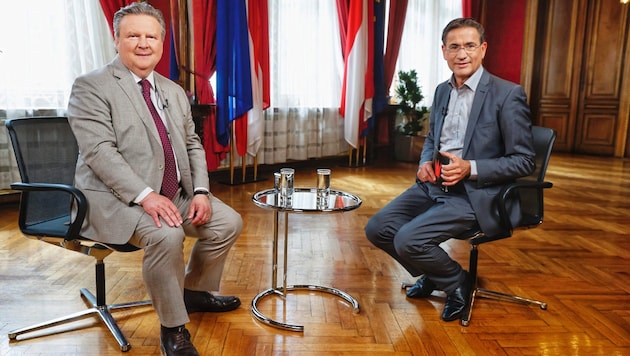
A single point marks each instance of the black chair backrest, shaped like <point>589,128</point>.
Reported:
<point>531,199</point>
<point>46,151</point>
<point>543,143</point>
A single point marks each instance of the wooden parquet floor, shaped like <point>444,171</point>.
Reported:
<point>578,261</point>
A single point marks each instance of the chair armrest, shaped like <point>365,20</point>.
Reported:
<point>511,189</point>
<point>79,199</point>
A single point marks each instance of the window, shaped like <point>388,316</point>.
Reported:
<point>45,45</point>
<point>422,40</point>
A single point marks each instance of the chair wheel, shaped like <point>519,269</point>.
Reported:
<point>12,336</point>
<point>543,306</point>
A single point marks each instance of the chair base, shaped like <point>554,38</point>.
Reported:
<point>489,294</point>
<point>485,293</point>
<point>103,311</point>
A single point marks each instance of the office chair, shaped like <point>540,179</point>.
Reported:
<point>46,152</point>
<point>529,191</point>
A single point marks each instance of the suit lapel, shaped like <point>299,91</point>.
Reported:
<point>442,106</point>
<point>134,93</point>
<point>176,133</point>
<point>480,97</point>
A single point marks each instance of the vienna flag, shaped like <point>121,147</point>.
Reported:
<point>257,17</point>
<point>358,84</point>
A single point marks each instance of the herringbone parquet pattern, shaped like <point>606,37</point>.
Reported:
<point>578,261</point>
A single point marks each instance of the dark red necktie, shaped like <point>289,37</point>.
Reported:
<point>169,181</point>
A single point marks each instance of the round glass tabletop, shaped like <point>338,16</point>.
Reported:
<point>307,200</point>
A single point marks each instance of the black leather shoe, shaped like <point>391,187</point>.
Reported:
<point>197,301</point>
<point>422,289</point>
<point>456,302</point>
<point>177,343</point>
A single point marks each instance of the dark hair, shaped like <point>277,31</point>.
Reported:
<point>464,22</point>
<point>138,8</point>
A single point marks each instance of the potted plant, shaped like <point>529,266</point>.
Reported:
<point>411,119</point>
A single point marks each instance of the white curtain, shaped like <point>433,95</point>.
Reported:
<point>45,45</point>
<point>306,69</point>
<point>421,40</point>
<point>307,72</point>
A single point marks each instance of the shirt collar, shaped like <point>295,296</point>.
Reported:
<point>149,77</point>
<point>471,82</point>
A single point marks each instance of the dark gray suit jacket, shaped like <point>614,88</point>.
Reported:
<point>120,149</point>
<point>498,137</point>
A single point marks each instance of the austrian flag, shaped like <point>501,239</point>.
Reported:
<point>358,84</point>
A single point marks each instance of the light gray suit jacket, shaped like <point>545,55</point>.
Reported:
<point>498,137</point>
<point>120,149</point>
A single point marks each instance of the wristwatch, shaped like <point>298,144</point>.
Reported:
<point>201,192</point>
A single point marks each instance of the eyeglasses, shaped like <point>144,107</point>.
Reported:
<point>469,48</point>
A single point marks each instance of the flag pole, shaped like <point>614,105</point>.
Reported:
<point>232,155</point>
<point>350,156</point>
<point>243,167</point>
<point>364,149</point>
<point>255,167</point>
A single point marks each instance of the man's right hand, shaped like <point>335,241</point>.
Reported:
<point>425,173</point>
<point>159,206</point>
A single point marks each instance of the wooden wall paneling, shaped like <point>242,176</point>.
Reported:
<point>560,33</point>
<point>529,47</point>
<point>622,147</point>
<point>606,38</point>
<point>579,76</point>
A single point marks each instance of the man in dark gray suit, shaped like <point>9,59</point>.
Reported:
<point>132,124</point>
<point>480,128</point>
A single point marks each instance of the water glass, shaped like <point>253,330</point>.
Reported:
<point>323,187</point>
<point>286,182</point>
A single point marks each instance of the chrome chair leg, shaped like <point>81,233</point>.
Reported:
<point>98,306</point>
<point>486,293</point>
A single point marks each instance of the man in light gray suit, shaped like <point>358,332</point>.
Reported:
<point>121,167</point>
<point>480,129</point>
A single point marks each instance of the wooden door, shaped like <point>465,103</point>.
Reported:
<point>580,78</point>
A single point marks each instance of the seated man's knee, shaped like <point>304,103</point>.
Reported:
<point>238,223</point>
<point>372,230</point>
<point>378,232</point>
<point>406,243</point>
<point>173,238</point>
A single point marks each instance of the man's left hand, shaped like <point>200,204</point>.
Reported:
<point>457,170</point>
<point>200,210</point>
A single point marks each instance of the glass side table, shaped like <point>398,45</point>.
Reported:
<point>304,200</point>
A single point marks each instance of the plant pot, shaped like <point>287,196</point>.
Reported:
<point>408,148</point>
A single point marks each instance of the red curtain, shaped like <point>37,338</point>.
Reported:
<point>397,14</point>
<point>467,8</point>
<point>342,17</point>
<point>396,25</point>
<point>204,32</point>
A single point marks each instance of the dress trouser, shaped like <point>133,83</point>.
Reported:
<point>413,225</point>
<point>163,268</point>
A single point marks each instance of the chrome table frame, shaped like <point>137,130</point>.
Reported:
<point>282,291</point>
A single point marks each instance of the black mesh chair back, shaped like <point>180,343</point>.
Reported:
<point>531,198</point>
<point>46,152</point>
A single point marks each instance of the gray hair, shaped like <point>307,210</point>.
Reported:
<point>464,22</point>
<point>138,8</point>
